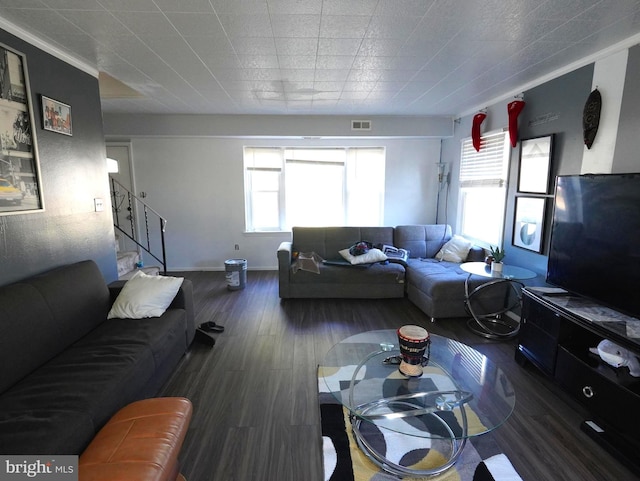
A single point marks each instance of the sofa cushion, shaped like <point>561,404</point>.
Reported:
<point>328,241</point>
<point>347,274</point>
<point>48,313</point>
<point>422,241</point>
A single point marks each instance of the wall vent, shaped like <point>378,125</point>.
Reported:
<point>361,125</point>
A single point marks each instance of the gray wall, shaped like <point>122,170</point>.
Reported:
<point>73,174</point>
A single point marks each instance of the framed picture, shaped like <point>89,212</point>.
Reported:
<point>528,223</point>
<point>535,165</point>
<point>20,186</point>
<point>56,116</point>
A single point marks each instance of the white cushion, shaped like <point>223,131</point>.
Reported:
<point>145,296</point>
<point>456,250</point>
<point>374,255</point>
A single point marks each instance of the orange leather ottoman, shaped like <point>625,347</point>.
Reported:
<point>140,442</point>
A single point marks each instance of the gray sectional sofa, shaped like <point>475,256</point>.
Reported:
<point>66,368</point>
<point>436,287</point>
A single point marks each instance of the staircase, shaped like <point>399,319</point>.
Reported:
<point>139,225</point>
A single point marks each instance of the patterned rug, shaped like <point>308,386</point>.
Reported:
<point>343,460</point>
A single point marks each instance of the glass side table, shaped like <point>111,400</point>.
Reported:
<point>492,325</point>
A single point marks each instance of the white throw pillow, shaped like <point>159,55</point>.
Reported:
<point>373,255</point>
<point>145,296</point>
<point>456,250</point>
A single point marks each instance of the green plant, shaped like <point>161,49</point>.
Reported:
<point>497,253</point>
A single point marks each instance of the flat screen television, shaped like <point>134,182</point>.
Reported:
<point>595,239</point>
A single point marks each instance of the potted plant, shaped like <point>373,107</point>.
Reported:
<point>498,255</point>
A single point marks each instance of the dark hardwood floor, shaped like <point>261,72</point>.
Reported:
<point>255,396</point>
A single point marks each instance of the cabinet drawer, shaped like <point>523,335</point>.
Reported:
<point>538,346</point>
<point>607,400</point>
<point>541,316</point>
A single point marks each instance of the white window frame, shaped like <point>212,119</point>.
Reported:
<point>487,169</point>
<point>355,172</point>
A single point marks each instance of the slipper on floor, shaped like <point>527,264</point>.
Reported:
<point>211,327</point>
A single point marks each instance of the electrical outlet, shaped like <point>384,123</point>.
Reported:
<point>99,204</point>
<point>237,247</point>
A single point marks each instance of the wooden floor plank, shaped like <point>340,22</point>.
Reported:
<point>256,414</point>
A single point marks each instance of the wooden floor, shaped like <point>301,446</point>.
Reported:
<point>255,395</point>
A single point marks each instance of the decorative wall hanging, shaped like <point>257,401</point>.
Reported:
<point>20,188</point>
<point>535,165</point>
<point>56,116</point>
<point>513,109</point>
<point>591,117</point>
<point>475,129</point>
<point>528,223</point>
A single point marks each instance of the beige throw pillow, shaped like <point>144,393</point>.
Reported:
<point>455,250</point>
<point>373,255</point>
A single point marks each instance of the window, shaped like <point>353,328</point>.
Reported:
<point>286,187</point>
<point>483,189</point>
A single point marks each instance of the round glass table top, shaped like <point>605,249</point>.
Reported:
<point>459,386</point>
<point>508,272</point>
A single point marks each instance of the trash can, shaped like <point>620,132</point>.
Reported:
<point>236,273</point>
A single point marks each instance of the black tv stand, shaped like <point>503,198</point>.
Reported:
<point>556,332</point>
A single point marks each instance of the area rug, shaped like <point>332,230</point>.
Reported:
<point>343,460</point>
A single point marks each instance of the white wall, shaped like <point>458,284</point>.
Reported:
<point>197,184</point>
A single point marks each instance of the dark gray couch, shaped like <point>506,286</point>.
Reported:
<point>66,369</point>
<point>436,287</point>
<point>338,281</point>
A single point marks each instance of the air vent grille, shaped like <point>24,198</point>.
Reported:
<point>361,125</point>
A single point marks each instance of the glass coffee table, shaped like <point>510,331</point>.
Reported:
<point>460,394</point>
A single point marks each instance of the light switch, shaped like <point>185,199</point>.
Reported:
<point>99,204</point>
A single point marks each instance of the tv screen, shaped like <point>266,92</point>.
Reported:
<point>595,239</point>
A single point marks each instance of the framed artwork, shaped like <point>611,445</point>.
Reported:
<point>528,223</point>
<point>20,186</point>
<point>56,116</point>
<point>535,165</point>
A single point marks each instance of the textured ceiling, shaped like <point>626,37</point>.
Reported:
<point>338,57</point>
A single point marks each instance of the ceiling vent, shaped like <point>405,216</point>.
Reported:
<point>361,125</point>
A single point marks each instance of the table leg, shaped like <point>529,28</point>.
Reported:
<point>492,325</point>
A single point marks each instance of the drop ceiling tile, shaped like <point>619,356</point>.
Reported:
<point>349,7</point>
<point>299,75</point>
<point>254,45</point>
<point>339,46</point>
<point>295,26</point>
<point>306,7</point>
<point>334,62</point>
<point>246,25</point>
<point>74,4</point>
<point>398,27</point>
<point>256,7</point>
<point>296,46</point>
<point>413,8</point>
<point>29,4</point>
<point>204,24</point>
<point>44,22</point>
<point>343,26</point>
<point>184,5</point>
<point>129,5</point>
<point>297,61</point>
<point>365,75</point>
<point>331,75</point>
<point>145,23</point>
<point>384,47</point>
<point>258,61</point>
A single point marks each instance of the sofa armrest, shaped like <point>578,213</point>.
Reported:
<point>285,257</point>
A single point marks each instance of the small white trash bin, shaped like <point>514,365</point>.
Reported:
<point>236,273</point>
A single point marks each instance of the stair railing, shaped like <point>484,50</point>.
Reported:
<point>126,205</point>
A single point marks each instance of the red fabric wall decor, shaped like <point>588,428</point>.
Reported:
<point>514,108</point>
<point>475,129</point>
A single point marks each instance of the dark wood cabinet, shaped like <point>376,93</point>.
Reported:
<point>556,334</point>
